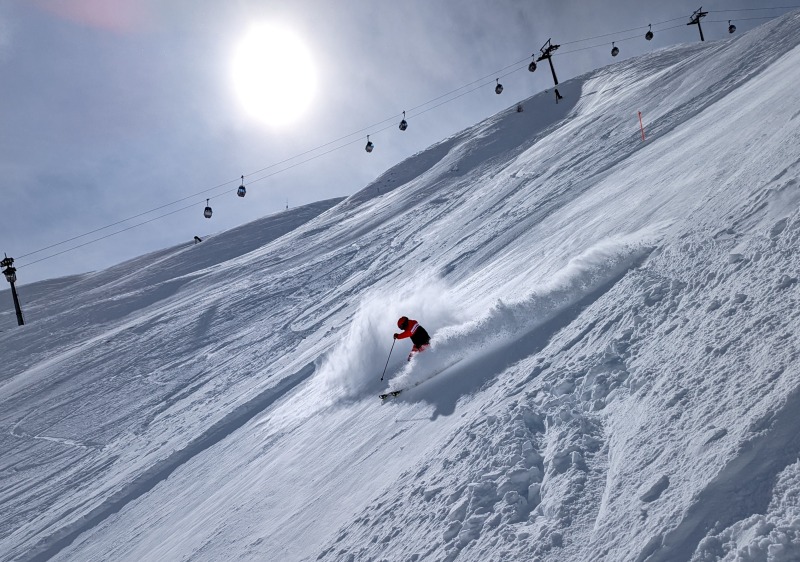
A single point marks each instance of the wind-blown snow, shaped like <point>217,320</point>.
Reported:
<point>617,323</point>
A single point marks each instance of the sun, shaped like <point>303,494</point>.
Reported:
<point>274,74</point>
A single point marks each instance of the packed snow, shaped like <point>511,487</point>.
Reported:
<point>614,371</point>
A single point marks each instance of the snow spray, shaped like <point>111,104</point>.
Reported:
<point>352,367</point>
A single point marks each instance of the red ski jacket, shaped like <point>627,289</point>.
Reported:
<point>416,332</point>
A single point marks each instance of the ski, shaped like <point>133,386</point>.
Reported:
<point>394,393</point>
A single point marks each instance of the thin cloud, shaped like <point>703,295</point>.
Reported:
<point>5,37</point>
<point>112,15</point>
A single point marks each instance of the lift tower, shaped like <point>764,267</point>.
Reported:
<point>547,53</point>
<point>696,17</point>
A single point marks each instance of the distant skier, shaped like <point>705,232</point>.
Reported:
<point>412,329</point>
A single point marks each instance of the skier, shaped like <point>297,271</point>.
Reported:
<point>412,329</point>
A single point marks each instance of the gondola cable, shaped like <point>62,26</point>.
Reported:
<point>481,82</point>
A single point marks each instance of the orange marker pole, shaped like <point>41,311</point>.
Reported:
<point>641,126</point>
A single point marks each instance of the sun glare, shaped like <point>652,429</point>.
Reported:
<point>274,74</point>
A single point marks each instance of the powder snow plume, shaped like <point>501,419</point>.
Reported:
<point>355,365</point>
<point>508,321</point>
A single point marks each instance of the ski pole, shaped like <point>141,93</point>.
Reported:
<point>387,359</point>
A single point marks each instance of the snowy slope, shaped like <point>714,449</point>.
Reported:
<point>624,316</point>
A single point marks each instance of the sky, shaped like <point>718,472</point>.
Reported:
<point>117,112</point>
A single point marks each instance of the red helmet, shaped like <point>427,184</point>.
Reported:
<point>402,322</point>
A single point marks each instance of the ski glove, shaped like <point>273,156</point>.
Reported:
<point>395,335</point>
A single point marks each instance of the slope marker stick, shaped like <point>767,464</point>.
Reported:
<point>641,126</point>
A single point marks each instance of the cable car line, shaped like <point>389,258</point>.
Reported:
<point>225,184</point>
<point>193,205</point>
<point>755,9</point>
<point>123,220</point>
<point>271,166</point>
<point>622,31</point>
<point>638,36</point>
<point>742,19</point>
<point>391,119</point>
<point>414,111</point>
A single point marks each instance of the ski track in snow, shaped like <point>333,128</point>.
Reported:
<point>624,317</point>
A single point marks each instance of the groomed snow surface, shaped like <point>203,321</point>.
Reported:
<point>620,319</point>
